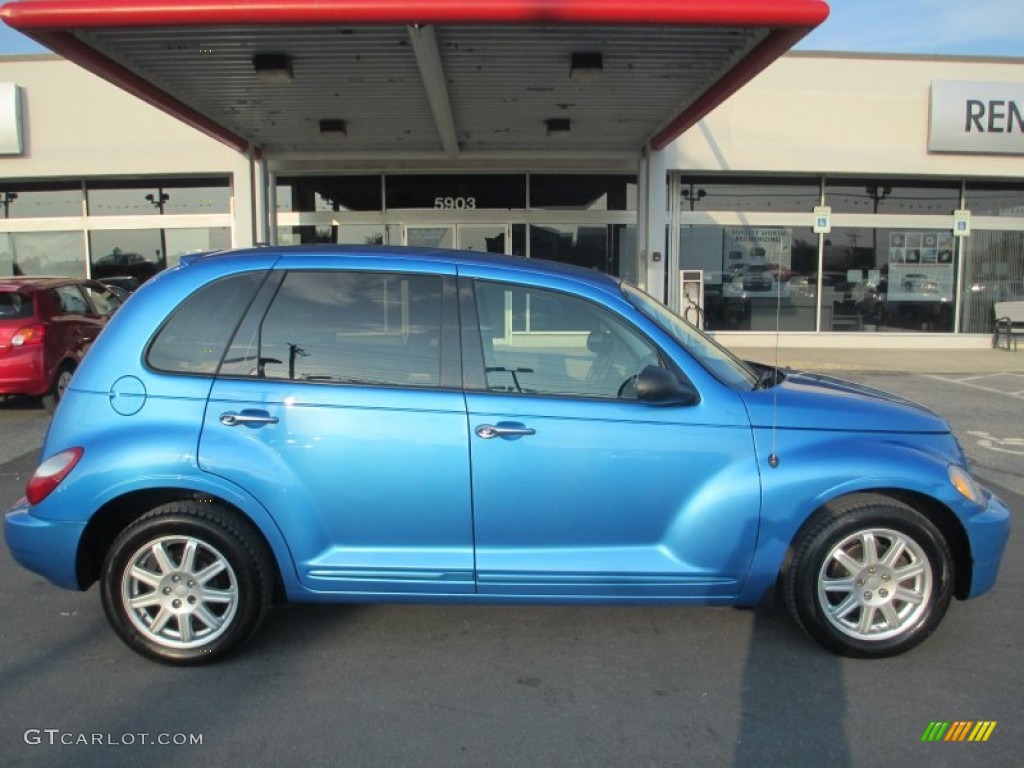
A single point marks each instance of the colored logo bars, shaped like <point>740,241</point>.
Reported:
<point>959,730</point>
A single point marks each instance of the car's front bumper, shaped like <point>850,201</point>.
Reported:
<point>988,533</point>
<point>46,547</point>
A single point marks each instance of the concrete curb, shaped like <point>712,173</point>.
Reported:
<point>952,361</point>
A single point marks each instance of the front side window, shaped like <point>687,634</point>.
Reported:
<point>71,301</point>
<point>716,359</point>
<point>549,343</point>
<point>102,300</point>
<point>353,328</point>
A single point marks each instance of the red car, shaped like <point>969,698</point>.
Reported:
<point>46,327</point>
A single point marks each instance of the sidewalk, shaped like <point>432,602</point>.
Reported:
<point>955,361</point>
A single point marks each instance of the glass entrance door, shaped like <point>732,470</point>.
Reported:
<point>430,237</point>
<point>485,238</point>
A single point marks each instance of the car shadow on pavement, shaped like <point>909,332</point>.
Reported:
<point>793,702</point>
<point>296,626</point>
<point>18,403</point>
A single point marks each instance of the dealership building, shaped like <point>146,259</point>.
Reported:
<point>838,198</point>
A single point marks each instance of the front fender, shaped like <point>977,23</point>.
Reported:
<point>815,467</point>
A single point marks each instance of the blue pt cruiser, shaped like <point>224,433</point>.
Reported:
<point>384,424</point>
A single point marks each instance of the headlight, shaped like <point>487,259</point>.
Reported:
<point>964,483</point>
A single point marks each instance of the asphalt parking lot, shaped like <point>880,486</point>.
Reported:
<point>523,686</point>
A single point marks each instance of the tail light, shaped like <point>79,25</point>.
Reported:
<point>50,473</point>
<point>28,336</point>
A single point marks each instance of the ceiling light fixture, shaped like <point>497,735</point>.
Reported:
<point>586,67</point>
<point>558,126</point>
<point>333,128</point>
<point>273,68</point>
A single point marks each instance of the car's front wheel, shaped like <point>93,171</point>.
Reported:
<point>870,577</point>
<point>186,583</point>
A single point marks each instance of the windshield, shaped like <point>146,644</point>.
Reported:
<point>718,361</point>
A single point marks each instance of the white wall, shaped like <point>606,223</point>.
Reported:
<point>841,114</point>
<point>77,124</point>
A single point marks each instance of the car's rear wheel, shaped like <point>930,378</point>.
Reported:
<point>186,583</point>
<point>61,382</point>
<point>870,577</point>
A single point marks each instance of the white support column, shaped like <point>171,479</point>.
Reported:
<point>243,212</point>
<point>271,208</point>
<point>261,214</point>
<point>652,220</point>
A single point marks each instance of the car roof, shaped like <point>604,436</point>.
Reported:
<point>468,258</point>
<point>36,283</point>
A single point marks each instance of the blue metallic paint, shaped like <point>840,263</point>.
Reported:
<point>369,486</point>
<point>387,494</point>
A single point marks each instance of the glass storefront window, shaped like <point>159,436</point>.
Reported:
<point>890,279</point>
<point>601,246</point>
<point>519,239</point>
<point>146,197</point>
<point>42,253</point>
<point>349,234</point>
<point>892,196</point>
<point>184,241</point>
<point>583,193</point>
<point>755,278</point>
<point>700,193</point>
<point>455,193</point>
<point>35,200</point>
<point>138,253</point>
<point>306,234</point>
<point>994,271</point>
<point>308,194</point>
<point>141,253</point>
<point>994,199</point>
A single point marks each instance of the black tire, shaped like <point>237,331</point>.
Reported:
<point>191,608</point>
<point>61,379</point>
<point>847,599</point>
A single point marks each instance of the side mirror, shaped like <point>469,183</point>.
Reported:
<point>660,386</point>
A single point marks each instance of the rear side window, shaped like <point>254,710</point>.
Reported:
<point>193,340</point>
<point>15,306</point>
<point>361,328</point>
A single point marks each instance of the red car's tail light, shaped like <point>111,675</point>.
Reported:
<point>28,336</point>
<point>50,473</point>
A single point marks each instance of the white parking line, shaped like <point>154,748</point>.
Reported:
<point>971,381</point>
<point>1000,444</point>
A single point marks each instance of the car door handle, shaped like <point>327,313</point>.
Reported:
<point>487,431</point>
<point>230,419</point>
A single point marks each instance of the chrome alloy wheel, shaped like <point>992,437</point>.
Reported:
<point>180,592</point>
<point>875,584</point>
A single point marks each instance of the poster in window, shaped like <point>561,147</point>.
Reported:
<point>920,266</point>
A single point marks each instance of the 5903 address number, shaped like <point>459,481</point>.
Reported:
<point>454,203</point>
